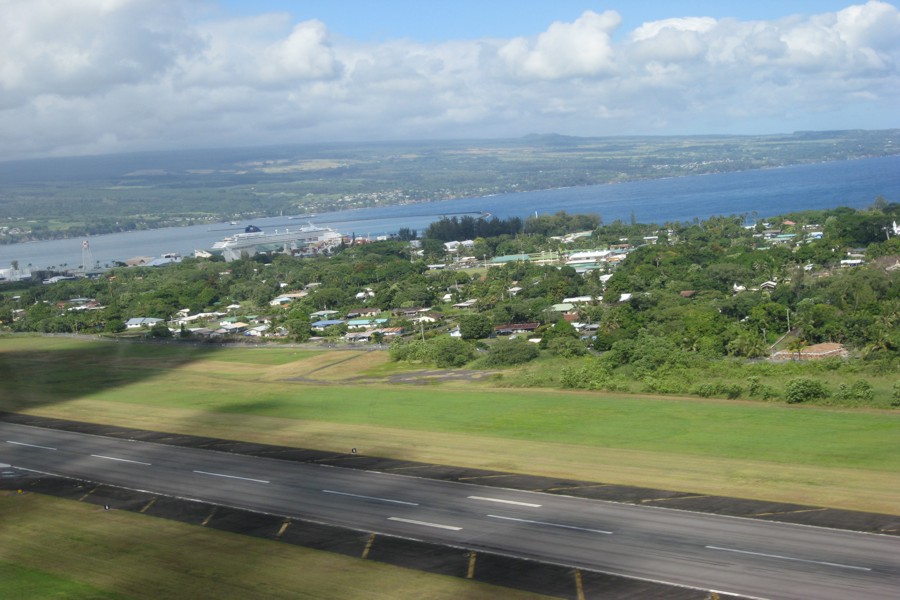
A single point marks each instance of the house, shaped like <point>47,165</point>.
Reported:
<point>325,324</point>
<point>287,298</point>
<point>563,307</point>
<point>429,318</point>
<point>322,314</point>
<point>139,322</point>
<point>258,331</point>
<point>456,246</point>
<point>467,304</point>
<point>390,331</point>
<point>578,300</point>
<point>408,313</point>
<point>232,328</point>
<point>587,257</point>
<point>203,332</point>
<point>515,328</point>
<point>359,323</point>
<point>851,262</point>
<point>165,259</point>
<point>354,313</point>
<point>510,258</point>
<point>358,336</point>
<point>58,278</point>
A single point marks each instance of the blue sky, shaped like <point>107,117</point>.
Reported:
<point>105,76</point>
<point>433,21</point>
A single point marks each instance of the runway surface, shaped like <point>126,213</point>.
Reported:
<point>732,555</point>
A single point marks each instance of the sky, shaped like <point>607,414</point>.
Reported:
<point>107,76</point>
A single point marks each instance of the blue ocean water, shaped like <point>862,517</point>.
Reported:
<point>762,193</point>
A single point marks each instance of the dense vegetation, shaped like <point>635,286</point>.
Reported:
<point>75,197</point>
<point>688,314</point>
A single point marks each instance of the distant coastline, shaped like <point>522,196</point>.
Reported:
<point>767,192</point>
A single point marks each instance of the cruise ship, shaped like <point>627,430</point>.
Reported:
<point>310,239</point>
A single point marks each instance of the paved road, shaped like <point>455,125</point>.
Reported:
<point>741,556</point>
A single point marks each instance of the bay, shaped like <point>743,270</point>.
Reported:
<point>762,193</point>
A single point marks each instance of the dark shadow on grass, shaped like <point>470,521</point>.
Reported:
<point>33,378</point>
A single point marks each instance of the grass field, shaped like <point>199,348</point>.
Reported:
<point>79,551</point>
<point>341,399</point>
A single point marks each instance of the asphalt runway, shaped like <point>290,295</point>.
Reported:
<point>731,555</point>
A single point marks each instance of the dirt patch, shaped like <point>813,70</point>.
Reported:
<point>441,375</point>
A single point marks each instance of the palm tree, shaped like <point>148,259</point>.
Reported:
<point>796,345</point>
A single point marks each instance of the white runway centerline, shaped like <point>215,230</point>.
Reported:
<point>501,501</point>
<point>136,462</point>
<point>425,523</point>
<point>817,562</point>
<point>551,524</point>
<point>371,498</point>
<point>231,476</point>
<point>30,445</point>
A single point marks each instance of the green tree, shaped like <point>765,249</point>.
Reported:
<point>803,389</point>
<point>447,352</point>
<point>474,326</point>
<point>566,347</point>
<point>507,353</point>
<point>160,330</point>
<point>115,326</point>
<point>747,344</point>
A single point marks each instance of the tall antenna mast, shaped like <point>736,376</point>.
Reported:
<point>87,259</point>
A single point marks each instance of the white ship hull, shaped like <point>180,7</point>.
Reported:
<point>289,240</point>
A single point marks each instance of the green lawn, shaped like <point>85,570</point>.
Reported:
<point>24,583</point>
<point>179,377</point>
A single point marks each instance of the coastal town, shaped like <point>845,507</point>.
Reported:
<point>449,282</point>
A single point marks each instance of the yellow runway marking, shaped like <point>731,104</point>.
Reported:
<point>579,587</point>
<point>578,487</point>
<point>284,527</point>
<point>471,572</point>
<point>148,505</point>
<point>88,494</point>
<point>673,498</point>
<point>788,512</point>
<point>206,520</point>
<point>368,547</point>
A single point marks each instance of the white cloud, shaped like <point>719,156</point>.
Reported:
<point>86,47</point>
<point>581,48</point>
<point>86,76</point>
